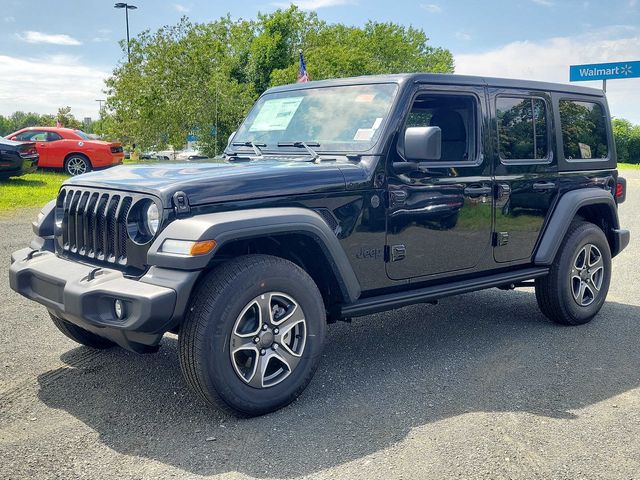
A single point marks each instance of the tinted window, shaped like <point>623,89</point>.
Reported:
<point>584,130</point>
<point>32,136</point>
<point>53,136</point>
<point>522,128</point>
<point>456,117</point>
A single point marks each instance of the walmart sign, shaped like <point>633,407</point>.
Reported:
<point>604,71</point>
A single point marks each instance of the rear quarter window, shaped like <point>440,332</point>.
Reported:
<point>584,130</point>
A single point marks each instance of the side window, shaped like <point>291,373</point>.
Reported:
<point>456,115</point>
<point>31,136</point>
<point>522,128</point>
<point>53,136</point>
<point>584,130</point>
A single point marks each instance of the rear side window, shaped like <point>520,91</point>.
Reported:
<point>522,128</point>
<point>584,130</point>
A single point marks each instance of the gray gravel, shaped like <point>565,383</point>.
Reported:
<point>479,386</point>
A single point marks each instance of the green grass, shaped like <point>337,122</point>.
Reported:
<point>31,190</point>
<point>629,166</point>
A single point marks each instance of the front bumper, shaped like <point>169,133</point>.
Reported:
<point>84,295</point>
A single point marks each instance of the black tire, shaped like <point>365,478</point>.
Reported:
<point>555,292</point>
<point>80,335</point>
<point>77,164</point>
<point>212,322</point>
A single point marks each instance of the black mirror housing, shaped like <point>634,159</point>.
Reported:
<point>423,144</point>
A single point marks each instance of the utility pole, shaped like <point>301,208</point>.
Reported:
<point>100,101</point>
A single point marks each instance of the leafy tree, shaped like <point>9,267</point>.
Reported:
<point>187,78</point>
<point>627,138</point>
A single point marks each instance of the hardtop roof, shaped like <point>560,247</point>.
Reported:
<point>445,79</point>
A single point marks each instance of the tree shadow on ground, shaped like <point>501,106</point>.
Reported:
<point>380,377</point>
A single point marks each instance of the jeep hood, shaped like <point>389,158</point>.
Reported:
<point>211,182</point>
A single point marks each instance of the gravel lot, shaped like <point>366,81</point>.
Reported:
<point>479,386</point>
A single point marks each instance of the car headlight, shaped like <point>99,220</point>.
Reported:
<point>152,218</point>
<point>143,221</point>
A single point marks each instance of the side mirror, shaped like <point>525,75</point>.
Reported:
<point>423,143</point>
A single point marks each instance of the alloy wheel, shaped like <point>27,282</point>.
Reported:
<point>268,339</point>
<point>76,166</point>
<point>587,274</point>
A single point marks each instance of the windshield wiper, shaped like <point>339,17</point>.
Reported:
<point>255,146</point>
<point>305,145</point>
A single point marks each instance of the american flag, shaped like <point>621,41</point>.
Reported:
<point>303,75</point>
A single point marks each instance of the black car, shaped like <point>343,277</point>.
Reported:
<point>17,158</point>
<point>336,199</point>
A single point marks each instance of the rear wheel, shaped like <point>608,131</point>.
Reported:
<point>80,335</point>
<point>77,164</point>
<point>578,281</point>
<point>253,336</point>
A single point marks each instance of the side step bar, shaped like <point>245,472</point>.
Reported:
<point>390,301</point>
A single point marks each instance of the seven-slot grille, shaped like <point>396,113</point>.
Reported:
<point>93,224</point>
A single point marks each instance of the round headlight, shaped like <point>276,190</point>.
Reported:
<point>152,218</point>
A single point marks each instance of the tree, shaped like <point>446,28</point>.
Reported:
<point>189,78</point>
<point>627,138</point>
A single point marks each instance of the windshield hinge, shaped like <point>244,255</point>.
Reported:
<point>181,204</point>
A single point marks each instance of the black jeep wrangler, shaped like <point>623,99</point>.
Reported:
<point>335,199</point>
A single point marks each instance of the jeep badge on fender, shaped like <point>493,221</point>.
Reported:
<point>245,258</point>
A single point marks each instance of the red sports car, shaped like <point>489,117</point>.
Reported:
<point>70,149</point>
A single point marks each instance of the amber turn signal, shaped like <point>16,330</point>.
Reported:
<point>203,247</point>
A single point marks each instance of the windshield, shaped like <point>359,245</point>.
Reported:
<point>332,118</point>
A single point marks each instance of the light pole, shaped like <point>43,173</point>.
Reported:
<point>127,7</point>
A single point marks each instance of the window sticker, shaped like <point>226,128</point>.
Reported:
<point>365,97</point>
<point>364,134</point>
<point>276,114</point>
<point>585,150</point>
<point>377,123</point>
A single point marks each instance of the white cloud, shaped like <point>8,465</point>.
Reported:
<point>549,61</point>
<point>55,39</point>
<point>181,8</point>
<point>9,19</point>
<point>44,84</point>
<point>463,36</point>
<point>431,7</point>
<point>544,3</point>
<point>314,4</point>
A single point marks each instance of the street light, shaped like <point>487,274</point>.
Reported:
<point>126,7</point>
<point>100,100</point>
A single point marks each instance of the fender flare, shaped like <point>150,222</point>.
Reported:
<point>565,210</point>
<point>224,227</point>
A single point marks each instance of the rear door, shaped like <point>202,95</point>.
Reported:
<point>526,170</point>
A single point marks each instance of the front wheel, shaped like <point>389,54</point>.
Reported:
<point>253,336</point>
<point>578,281</point>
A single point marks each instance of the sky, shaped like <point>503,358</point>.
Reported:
<point>57,53</point>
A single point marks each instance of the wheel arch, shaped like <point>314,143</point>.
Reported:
<point>297,234</point>
<point>80,154</point>
<point>593,205</point>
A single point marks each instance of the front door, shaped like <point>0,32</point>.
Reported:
<point>439,218</point>
<point>526,170</point>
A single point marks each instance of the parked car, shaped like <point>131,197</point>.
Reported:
<point>70,149</point>
<point>312,220</point>
<point>17,158</point>
<point>188,155</point>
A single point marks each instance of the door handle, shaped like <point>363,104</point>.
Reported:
<point>477,190</point>
<point>544,186</point>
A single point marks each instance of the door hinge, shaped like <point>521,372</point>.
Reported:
<point>500,239</point>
